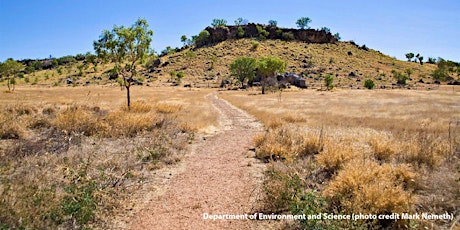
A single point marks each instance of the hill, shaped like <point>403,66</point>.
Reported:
<point>348,62</point>
<point>208,66</point>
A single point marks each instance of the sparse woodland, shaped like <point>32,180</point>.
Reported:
<point>368,134</point>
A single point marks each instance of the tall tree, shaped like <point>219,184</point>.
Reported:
<point>303,22</point>
<point>268,67</point>
<point>272,23</point>
<point>125,46</point>
<point>243,68</point>
<point>8,70</point>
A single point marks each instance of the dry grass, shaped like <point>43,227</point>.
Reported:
<point>74,159</point>
<point>381,151</point>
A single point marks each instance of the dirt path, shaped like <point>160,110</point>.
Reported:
<point>220,176</point>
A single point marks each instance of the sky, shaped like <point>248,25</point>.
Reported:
<point>40,29</point>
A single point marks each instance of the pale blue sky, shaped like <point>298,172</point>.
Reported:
<point>37,29</point>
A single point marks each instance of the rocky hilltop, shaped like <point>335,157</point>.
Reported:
<point>252,30</point>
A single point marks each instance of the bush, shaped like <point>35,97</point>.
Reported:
<point>255,45</point>
<point>369,84</point>
<point>329,82</point>
<point>288,36</point>
<point>202,39</point>
<point>240,32</point>
<point>263,34</point>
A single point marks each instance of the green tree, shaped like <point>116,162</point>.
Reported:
<point>185,40</point>
<point>369,84</point>
<point>243,68</point>
<point>420,59</point>
<point>329,82</point>
<point>125,45</point>
<point>409,56</point>
<point>240,32</point>
<point>219,22</point>
<point>8,70</point>
<point>241,21</point>
<point>273,23</point>
<point>268,67</point>
<point>303,22</point>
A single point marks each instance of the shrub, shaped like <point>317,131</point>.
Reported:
<point>255,45</point>
<point>329,82</point>
<point>240,32</point>
<point>368,187</point>
<point>202,38</point>
<point>263,34</point>
<point>288,36</point>
<point>369,84</point>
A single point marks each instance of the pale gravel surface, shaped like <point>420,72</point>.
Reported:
<point>219,176</point>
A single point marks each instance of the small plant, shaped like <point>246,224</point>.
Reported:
<point>240,32</point>
<point>400,77</point>
<point>369,84</point>
<point>255,45</point>
<point>329,82</point>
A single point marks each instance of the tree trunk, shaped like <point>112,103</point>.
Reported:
<point>128,96</point>
<point>8,84</point>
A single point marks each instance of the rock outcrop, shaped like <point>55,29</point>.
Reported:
<point>219,34</point>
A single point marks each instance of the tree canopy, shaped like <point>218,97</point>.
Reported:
<point>243,68</point>
<point>125,45</point>
<point>268,67</point>
<point>10,68</point>
<point>303,22</point>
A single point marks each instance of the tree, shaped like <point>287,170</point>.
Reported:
<point>243,68</point>
<point>325,29</point>
<point>185,40</point>
<point>219,22</point>
<point>268,67</point>
<point>337,36</point>
<point>272,23</point>
<point>409,56</point>
<point>8,70</point>
<point>125,45</point>
<point>201,39</point>
<point>329,82</point>
<point>420,59</point>
<point>241,21</point>
<point>302,23</point>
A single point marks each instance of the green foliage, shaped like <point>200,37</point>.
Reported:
<point>37,65</point>
<point>302,23</point>
<point>202,39</point>
<point>243,68</point>
<point>440,74</point>
<point>219,22</point>
<point>263,34</point>
<point>179,76</point>
<point>9,69</point>
<point>255,45</point>
<point>369,84</point>
<point>80,201</point>
<point>240,32</point>
<point>400,77</point>
<point>273,23</point>
<point>329,82</point>
<point>408,72</point>
<point>125,45</point>
<point>288,36</point>
<point>431,60</point>
<point>268,67</point>
<point>337,36</point>
<point>409,56</point>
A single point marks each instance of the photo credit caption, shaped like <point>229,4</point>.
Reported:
<point>330,216</point>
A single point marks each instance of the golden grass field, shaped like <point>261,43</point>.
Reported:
<point>75,157</point>
<point>379,151</point>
